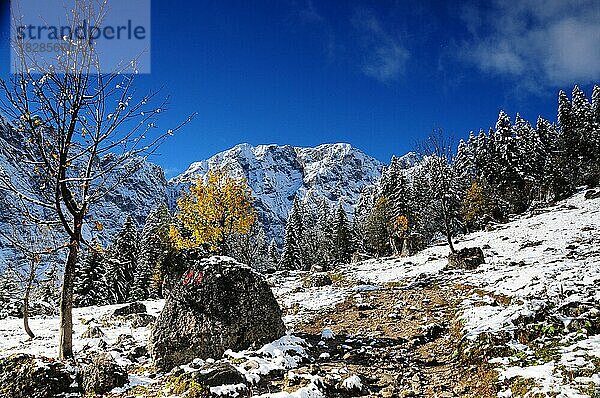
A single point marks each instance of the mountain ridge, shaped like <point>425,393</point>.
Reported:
<point>276,174</point>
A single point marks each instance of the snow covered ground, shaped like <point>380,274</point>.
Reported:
<point>539,263</point>
<point>13,339</point>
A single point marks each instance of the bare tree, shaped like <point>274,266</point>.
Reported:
<point>81,133</point>
<point>442,181</point>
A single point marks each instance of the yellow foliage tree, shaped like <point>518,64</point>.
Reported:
<point>212,211</point>
<point>401,226</point>
<point>477,205</point>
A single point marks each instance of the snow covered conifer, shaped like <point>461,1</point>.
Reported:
<point>10,294</point>
<point>343,242</point>
<point>596,104</point>
<point>152,251</point>
<point>273,255</point>
<point>292,255</point>
<point>48,290</point>
<point>122,262</point>
<point>90,283</point>
<point>378,226</point>
<point>325,233</point>
<point>250,248</point>
<point>362,211</point>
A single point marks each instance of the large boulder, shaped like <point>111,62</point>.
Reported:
<point>27,376</point>
<point>468,258</point>
<point>102,374</point>
<point>218,304</point>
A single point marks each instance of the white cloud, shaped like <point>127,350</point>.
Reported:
<point>548,42</point>
<point>384,56</point>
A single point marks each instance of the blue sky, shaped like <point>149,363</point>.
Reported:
<point>379,75</point>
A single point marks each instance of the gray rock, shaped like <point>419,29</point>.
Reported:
<point>358,257</point>
<point>592,194</point>
<point>102,374</point>
<point>318,279</point>
<point>133,308</point>
<point>27,376</point>
<point>217,374</point>
<point>140,320</point>
<point>468,258</point>
<point>218,304</point>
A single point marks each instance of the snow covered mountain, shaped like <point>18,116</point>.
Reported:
<point>276,174</point>
<point>136,196</point>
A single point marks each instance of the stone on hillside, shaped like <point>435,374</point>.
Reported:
<point>468,258</point>
<point>592,194</point>
<point>27,376</point>
<point>217,374</point>
<point>358,257</point>
<point>318,279</point>
<point>140,320</point>
<point>133,308</point>
<point>102,374</point>
<point>218,304</point>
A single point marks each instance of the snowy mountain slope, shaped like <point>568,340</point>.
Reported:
<point>136,196</point>
<point>536,265</point>
<point>276,174</point>
<point>541,269</point>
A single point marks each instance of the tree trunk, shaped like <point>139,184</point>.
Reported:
<point>66,302</point>
<point>26,310</point>
<point>447,227</point>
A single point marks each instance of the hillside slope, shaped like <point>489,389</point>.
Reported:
<point>525,322</point>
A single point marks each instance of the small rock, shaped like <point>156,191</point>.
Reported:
<point>218,374</point>
<point>133,308</point>
<point>592,194</point>
<point>468,258</point>
<point>352,384</point>
<point>318,279</point>
<point>327,334</point>
<point>102,374</point>
<point>141,320</point>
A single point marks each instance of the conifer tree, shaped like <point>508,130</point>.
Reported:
<point>273,255</point>
<point>251,248</point>
<point>122,262</point>
<point>343,242</point>
<point>325,234</point>
<point>362,212</point>
<point>378,226</point>
<point>49,289</point>
<point>90,284</point>
<point>292,256</point>
<point>596,104</point>
<point>153,249</point>
<point>10,294</point>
